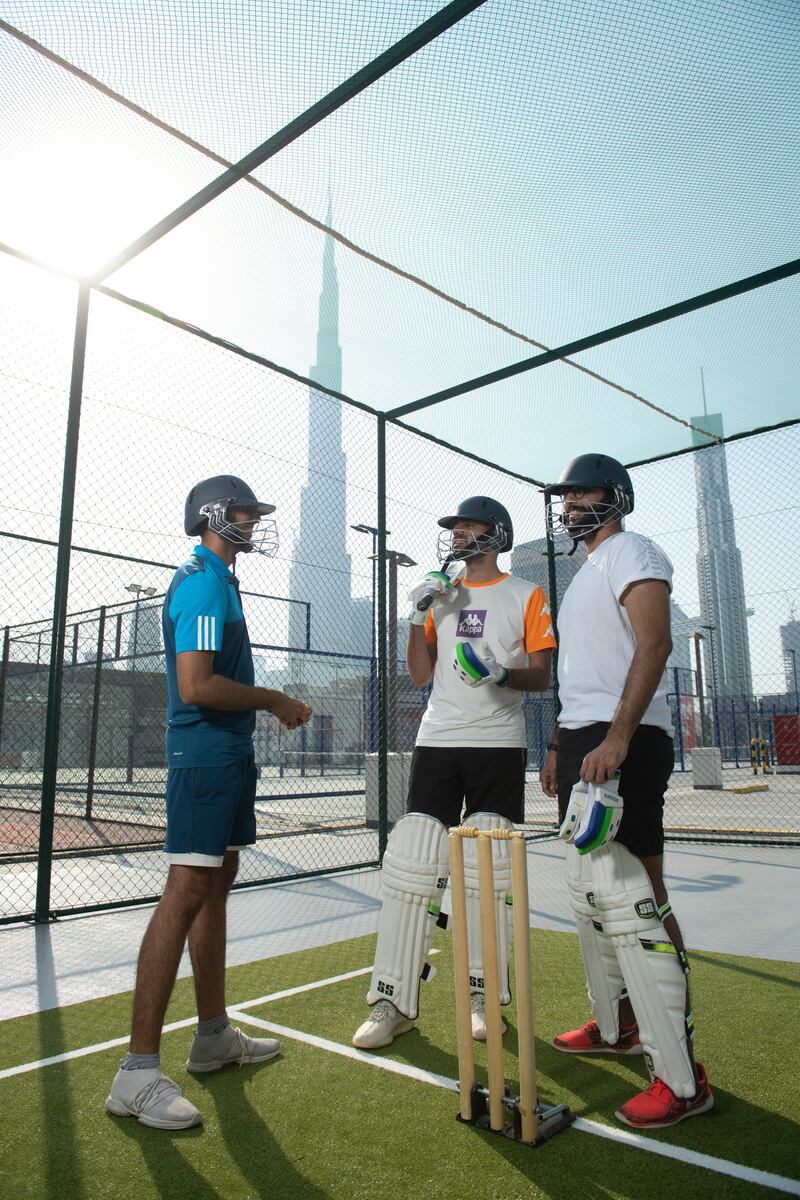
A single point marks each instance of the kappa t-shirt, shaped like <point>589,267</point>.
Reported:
<point>595,637</point>
<point>510,617</point>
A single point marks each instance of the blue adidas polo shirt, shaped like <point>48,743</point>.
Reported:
<point>202,611</point>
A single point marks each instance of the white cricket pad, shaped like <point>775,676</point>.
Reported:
<point>414,876</point>
<point>501,862</point>
<point>653,973</point>
<point>603,975</point>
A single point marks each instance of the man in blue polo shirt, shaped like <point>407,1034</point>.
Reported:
<point>211,788</point>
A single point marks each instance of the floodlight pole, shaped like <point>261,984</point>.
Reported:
<point>373,666</point>
<point>396,559</point>
<point>715,694</point>
<point>98,681</point>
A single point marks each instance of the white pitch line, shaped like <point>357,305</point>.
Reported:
<point>636,1140</point>
<point>693,1157</point>
<point>385,1064</point>
<point>84,1050</point>
<point>98,1047</point>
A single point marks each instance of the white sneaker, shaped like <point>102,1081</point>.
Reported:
<point>153,1099</point>
<point>229,1046</point>
<point>478,1002</point>
<point>381,1027</point>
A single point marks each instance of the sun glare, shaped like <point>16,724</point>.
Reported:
<point>76,205</point>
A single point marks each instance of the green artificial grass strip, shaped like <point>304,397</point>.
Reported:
<point>314,1124</point>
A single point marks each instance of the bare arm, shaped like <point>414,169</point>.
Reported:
<point>647,605</point>
<point>420,657</point>
<point>536,677</point>
<point>198,685</point>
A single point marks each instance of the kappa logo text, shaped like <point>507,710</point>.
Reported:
<point>471,622</point>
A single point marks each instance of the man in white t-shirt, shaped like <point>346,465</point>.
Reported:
<point>615,723</point>
<point>483,637</point>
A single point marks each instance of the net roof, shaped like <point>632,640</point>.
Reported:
<point>525,177</point>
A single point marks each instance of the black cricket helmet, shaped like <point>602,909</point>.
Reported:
<point>588,472</point>
<point>499,536</point>
<point>207,507</point>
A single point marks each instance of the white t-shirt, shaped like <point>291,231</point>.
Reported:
<point>596,641</point>
<point>509,616</point>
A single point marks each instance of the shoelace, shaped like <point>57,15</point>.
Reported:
<point>383,1011</point>
<point>153,1092</point>
<point>478,1003</point>
<point>240,1041</point>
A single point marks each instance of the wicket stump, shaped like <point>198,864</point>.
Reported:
<point>485,1108</point>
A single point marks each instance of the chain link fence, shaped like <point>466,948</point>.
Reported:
<point>162,407</point>
<point>113,409</point>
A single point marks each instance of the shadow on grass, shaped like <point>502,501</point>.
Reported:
<point>171,1174</point>
<point>742,969</point>
<point>62,1165</point>
<point>249,1141</point>
<point>735,1131</point>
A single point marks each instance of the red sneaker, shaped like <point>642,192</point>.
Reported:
<point>587,1040</point>
<point>659,1107</point>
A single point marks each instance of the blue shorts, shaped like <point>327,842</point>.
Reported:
<point>210,810</point>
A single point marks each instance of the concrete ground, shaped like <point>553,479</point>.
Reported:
<point>732,899</point>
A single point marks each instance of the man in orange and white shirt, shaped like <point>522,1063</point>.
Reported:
<point>483,637</point>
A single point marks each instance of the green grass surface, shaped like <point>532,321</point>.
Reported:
<point>314,1124</point>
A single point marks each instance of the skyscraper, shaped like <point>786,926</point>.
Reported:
<point>321,568</point>
<point>723,611</point>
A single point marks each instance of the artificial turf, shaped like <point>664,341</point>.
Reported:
<point>314,1124</point>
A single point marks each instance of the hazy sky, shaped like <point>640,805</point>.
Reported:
<point>559,166</point>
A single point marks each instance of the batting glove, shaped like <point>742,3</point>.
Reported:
<point>426,592</point>
<point>477,669</point>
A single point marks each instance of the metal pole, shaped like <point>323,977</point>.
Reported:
<point>553,590</point>
<point>61,590</point>
<point>734,733</point>
<point>698,671</point>
<point>715,692</point>
<point>383,693</point>
<point>322,744</point>
<point>392,658</point>
<point>98,672</point>
<point>373,663</point>
<point>4,674</point>
<point>678,721</point>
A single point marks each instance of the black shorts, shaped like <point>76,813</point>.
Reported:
<point>481,778</point>
<point>644,775</point>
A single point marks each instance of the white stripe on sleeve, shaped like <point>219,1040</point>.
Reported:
<point>213,645</point>
<point>199,633</point>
